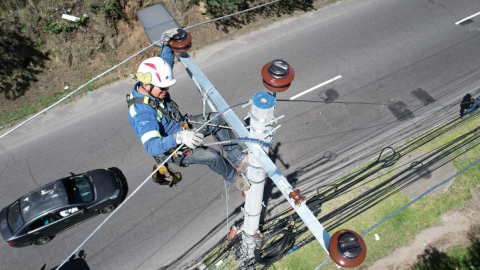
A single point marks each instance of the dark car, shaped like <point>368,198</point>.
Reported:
<point>41,214</point>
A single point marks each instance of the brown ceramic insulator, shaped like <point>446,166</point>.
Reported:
<point>275,84</point>
<point>182,46</point>
<point>335,252</point>
<point>295,195</point>
<point>243,194</point>
<point>300,200</point>
<point>275,89</point>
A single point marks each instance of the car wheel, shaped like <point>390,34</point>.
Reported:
<point>42,240</point>
<point>107,209</point>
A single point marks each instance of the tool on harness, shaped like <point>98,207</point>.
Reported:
<point>180,153</point>
<point>166,176</point>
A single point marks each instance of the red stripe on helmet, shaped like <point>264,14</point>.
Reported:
<point>151,65</point>
<point>154,67</point>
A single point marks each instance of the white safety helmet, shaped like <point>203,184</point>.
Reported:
<point>157,72</point>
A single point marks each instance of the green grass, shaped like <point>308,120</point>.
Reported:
<point>458,257</point>
<point>402,228</point>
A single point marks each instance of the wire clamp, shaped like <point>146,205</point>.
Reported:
<point>260,120</point>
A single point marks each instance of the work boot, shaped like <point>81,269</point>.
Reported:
<point>242,165</point>
<point>241,184</point>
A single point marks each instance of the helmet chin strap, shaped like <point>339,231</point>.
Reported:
<point>149,91</point>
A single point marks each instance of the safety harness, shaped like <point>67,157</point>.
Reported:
<point>164,176</point>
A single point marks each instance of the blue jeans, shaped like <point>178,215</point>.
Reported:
<point>211,157</point>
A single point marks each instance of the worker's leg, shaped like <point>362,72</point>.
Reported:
<point>212,158</point>
<point>234,151</point>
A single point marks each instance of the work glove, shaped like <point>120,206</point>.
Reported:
<point>190,138</point>
<point>167,35</point>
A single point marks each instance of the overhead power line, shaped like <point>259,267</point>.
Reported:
<point>367,103</point>
<point>126,60</point>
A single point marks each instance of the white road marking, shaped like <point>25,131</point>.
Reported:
<point>467,18</point>
<point>315,87</point>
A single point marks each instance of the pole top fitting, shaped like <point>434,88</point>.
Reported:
<point>277,75</point>
<point>347,248</point>
<point>263,100</point>
<point>295,195</point>
<point>181,42</point>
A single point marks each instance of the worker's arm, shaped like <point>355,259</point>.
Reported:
<point>167,54</point>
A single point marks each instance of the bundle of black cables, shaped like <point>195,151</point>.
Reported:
<point>276,249</point>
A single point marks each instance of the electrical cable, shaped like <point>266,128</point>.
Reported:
<point>212,125</point>
<point>126,60</point>
<point>408,204</point>
<point>141,185</point>
<point>276,249</point>
<point>365,103</point>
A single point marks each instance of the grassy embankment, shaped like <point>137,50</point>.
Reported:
<point>401,229</point>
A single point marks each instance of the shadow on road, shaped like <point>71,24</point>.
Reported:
<point>74,263</point>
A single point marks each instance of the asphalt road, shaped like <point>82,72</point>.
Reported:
<point>386,51</point>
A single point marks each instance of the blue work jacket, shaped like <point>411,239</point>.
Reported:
<point>155,130</point>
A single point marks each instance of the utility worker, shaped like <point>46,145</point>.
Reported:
<point>158,123</point>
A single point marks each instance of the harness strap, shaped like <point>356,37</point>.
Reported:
<point>158,106</point>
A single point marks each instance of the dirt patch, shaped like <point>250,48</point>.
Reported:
<point>458,227</point>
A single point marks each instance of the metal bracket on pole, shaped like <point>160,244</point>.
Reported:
<point>272,171</point>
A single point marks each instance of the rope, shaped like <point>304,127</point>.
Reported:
<point>123,62</point>
<point>226,201</point>
<point>408,204</point>
<point>140,186</point>
<point>243,140</point>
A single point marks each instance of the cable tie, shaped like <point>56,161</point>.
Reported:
<point>250,181</point>
<point>247,214</point>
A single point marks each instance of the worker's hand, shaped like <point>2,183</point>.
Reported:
<point>167,35</point>
<point>190,138</point>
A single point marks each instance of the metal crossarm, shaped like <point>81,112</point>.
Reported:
<point>217,103</point>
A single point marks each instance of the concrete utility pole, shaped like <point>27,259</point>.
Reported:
<point>261,126</point>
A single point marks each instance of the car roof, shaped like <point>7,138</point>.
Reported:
<point>43,200</point>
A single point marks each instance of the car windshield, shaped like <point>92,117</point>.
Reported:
<point>14,217</point>
<point>79,190</point>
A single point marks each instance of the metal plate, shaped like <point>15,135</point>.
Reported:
<point>155,20</point>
